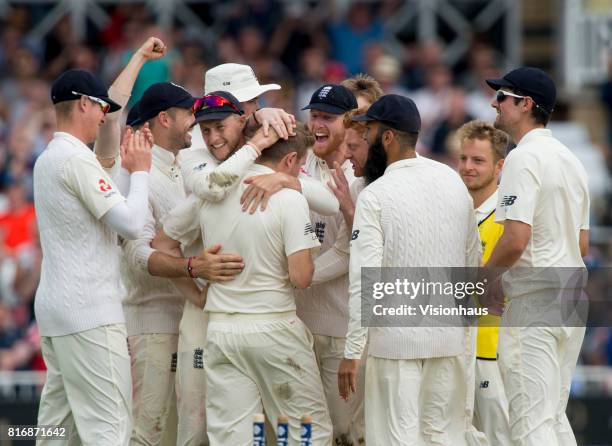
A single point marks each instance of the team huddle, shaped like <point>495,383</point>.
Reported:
<point>204,265</point>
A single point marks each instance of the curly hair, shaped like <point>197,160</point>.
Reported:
<point>481,130</point>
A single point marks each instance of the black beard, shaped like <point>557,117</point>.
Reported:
<point>377,161</point>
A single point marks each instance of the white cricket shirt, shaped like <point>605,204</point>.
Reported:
<point>153,304</point>
<point>79,284</point>
<point>263,239</point>
<point>324,307</point>
<point>418,214</point>
<point>545,186</point>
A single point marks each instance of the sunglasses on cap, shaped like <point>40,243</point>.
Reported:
<point>213,101</point>
<point>105,106</point>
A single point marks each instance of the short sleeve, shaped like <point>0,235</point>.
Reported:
<point>519,188</point>
<point>86,178</point>
<point>298,232</point>
<point>183,222</point>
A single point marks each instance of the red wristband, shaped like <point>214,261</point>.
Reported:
<point>190,268</point>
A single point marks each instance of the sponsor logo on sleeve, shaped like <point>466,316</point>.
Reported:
<point>173,362</point>
<point>309,230</point>
<point>320,230</point>
<point>198,358</point>
<point>508,200</point>
<point>104,186</point>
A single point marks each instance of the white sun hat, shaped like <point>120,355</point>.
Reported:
<point>237,79</point>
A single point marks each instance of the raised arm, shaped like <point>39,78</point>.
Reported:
<point>107,144</point>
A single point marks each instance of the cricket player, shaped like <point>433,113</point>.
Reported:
<point>154,305</point>
<point>198,162</point>
<point>324,307</point>
<point>258,354</point>
<point>347,417</point>
<point>78,301</point>
<point>414,389</point>
<point>543,204</point>
<point>226,131</point>
<point>481,158</point>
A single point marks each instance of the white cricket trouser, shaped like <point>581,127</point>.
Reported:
<point>261,362</point>
<point>153,360</point>
<point>414,402</point>
<point>347,417</point>
<point>537,364</point>
<point>491,408</point>
<point>467,371</point>
<point>191,377</point>
<point>88,387</point>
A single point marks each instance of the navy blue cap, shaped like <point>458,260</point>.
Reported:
<point>160,97</point>
<point>332,98</point>
<point>532,82</point>
<point>71,84</point>
<point>133,117</point>
<point>398,112</point>
<point>221,112</point>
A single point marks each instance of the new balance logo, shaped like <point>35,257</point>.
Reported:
<point>198,358</point>
<point>173,361</point>
<point>484,384</point>
<point>308,229</point>
<point>508,200</point>
<point>320,230</point>
<point>355,234</point>
<point>199,167</point>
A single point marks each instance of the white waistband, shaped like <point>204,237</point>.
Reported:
<point>245,317</point>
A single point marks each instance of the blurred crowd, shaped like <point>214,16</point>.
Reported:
<point>284,44</point>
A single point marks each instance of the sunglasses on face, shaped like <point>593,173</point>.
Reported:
<point>213,101</point>
<point>501,96</point>
<point>105,106</point>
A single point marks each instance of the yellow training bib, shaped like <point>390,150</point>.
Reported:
<point>488,326</point>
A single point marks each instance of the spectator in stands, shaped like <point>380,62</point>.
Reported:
<point>18,222</point>
<point>433,100</point>
<point>387,71</point>
<point>351,35</point>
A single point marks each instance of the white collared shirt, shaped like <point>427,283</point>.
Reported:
<point>153,304</point>
<point>545,186</point>
<point>487,206</point>
<point>79,285</point>
<point>324,307</point>
<point>264,240</point>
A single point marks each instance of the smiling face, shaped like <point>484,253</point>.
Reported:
<point>222,136</point>
<point>477,164</point>
<point>179,132</point>
<point>509,114</point>
<point>328,130</point>
<point>356,150</point>
<point>95,116</point>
